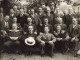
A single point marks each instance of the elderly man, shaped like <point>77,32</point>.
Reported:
<point>13,38</point>
<point>46,39</point>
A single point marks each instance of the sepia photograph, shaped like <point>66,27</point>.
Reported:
<point>39,29</point>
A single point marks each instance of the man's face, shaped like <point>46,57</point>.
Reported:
<point>70,11</point>
<point>25,9</point>
<point>58,28</point>
<point>32,11</point>
<point>7,18</point>
<point>30,28</point>
<point>14,27</point>
<point>15,19</point>
<point>15,8</point>
<point>11,11</point>
<point>43,6</point>
<point>21,11</point>
<point>46,29</point>
<point>57,9</point>
<point>60,20</point>
<point>48,10</point>
<point>40,10</point>
<point>46,20</point>
<point>74,21</point>
<point>29,20</point>
<point>65,12</point>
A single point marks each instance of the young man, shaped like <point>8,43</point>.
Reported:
<point>46,39</point>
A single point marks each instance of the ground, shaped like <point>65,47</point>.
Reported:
<point>57,56</point>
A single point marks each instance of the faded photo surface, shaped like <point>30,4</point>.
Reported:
<point>39,29</point>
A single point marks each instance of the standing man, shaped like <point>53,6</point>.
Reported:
<point>21,18</point>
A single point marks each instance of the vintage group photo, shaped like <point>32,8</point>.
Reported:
<point>39,29</point>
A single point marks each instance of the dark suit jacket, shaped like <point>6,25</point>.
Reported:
<point>74,32</point>
<point>22,20</point>
<point>68,19</point>
<point>50,18</point>
<point>36,19</point>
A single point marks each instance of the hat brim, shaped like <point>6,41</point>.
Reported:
<point>30,44</point>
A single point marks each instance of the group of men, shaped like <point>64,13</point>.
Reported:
<point>51,29</point>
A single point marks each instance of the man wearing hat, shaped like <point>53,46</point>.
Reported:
<point>46,39</point>
<point>30,38</point>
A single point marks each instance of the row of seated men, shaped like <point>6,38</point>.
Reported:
<point>58,36</point>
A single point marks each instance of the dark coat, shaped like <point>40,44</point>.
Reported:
<point>22,20</point>
<point>74,32</point>
<point>36,19</point>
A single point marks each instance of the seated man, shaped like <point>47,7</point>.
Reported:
<point>61,43</point>
<point>73,35</point>
<point>30,38</point>
<point>46,39</point>
<point>13,38</point>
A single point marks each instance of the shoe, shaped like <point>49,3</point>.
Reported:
<point>42,55</point>
<point>51,55</point>
<point>76,55</point>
